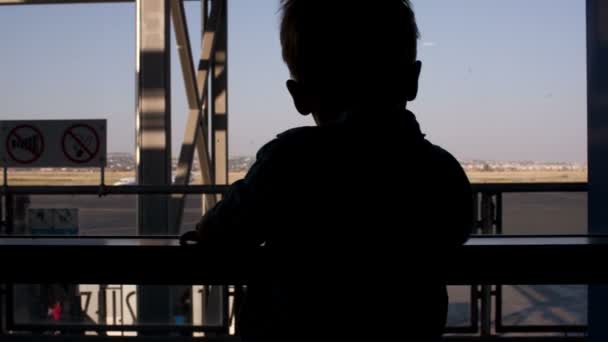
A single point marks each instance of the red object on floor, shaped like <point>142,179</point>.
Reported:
<point>56,311</point>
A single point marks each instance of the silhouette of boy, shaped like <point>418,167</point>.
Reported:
<point>358,212</point>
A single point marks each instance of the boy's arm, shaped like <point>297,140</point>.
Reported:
<point>456,216</point>
<point>461,209</point>
<point>241,218</point>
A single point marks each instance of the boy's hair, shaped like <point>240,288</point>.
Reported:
<point>339,48</point>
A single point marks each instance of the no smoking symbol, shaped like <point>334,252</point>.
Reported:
<point>80,143</point>
<point>25,144</point>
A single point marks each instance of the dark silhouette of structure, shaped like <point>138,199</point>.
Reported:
<point>316,199</point>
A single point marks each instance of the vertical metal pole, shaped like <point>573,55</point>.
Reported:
<point>219,110</point>
<point>102,311</point>
<point>498,293</point>
<point>474,306</point>
<point>498,222</point>
<point>216,306</point>
<point>102,180</point>
<point>114,308</point>
<point>2,218</point>
<point>476,213</point>
<point>3,202</point>
<point>153,154</point>
<point>597,126</point>
<point>205,109</point>
<point>487,214</point>
<point>153,112</point>
<point>486,290</point>
<point>498,309</point>
<point>3,308</point>
<point>204,23</point>
<point>10,209</point>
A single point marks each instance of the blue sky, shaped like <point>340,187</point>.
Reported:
<point>501,80</point>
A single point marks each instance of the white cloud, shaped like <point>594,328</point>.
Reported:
<point>429,44</point>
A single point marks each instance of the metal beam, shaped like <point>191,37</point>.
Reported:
<point>597,122</point>
<point>216,303</point>
<point>219,111</point>
<point>153,152</point>
<point>205,132</point>
<point>196,89</point>
<point>195,135</point>
<point>153,123</point>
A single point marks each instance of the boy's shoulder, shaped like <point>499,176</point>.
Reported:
<point>446,169</point>
<point>290,141</point>
<point>442,156</point>
<point>441,159</point>
<point>299,133</point>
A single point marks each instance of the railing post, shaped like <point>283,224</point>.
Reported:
<point>3,308</point>
<point>498,214</point>
<point>487,214</point>
<point>487,225</point>
<point>9,214</point>
<point>2,218</point>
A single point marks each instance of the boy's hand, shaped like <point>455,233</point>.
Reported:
<point>193,237</point>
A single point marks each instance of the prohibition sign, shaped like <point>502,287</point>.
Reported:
<point>25,144</point>
<point>80,143</point>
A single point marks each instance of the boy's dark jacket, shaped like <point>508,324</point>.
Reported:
<point>357,218</point>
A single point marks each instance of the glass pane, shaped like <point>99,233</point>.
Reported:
<point>87,215</point>
<point>75,215</point>
<point>544,213</point>
<point>459,310</point>
<point>544,305</point>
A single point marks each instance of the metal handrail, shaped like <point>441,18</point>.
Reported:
<point>113,190</point>
<point>530,187</point>
<point>220,189</point>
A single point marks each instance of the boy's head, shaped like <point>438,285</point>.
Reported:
<point>349,54</point>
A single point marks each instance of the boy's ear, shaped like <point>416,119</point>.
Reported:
<point>300,97</point>
<point>412,87</point>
